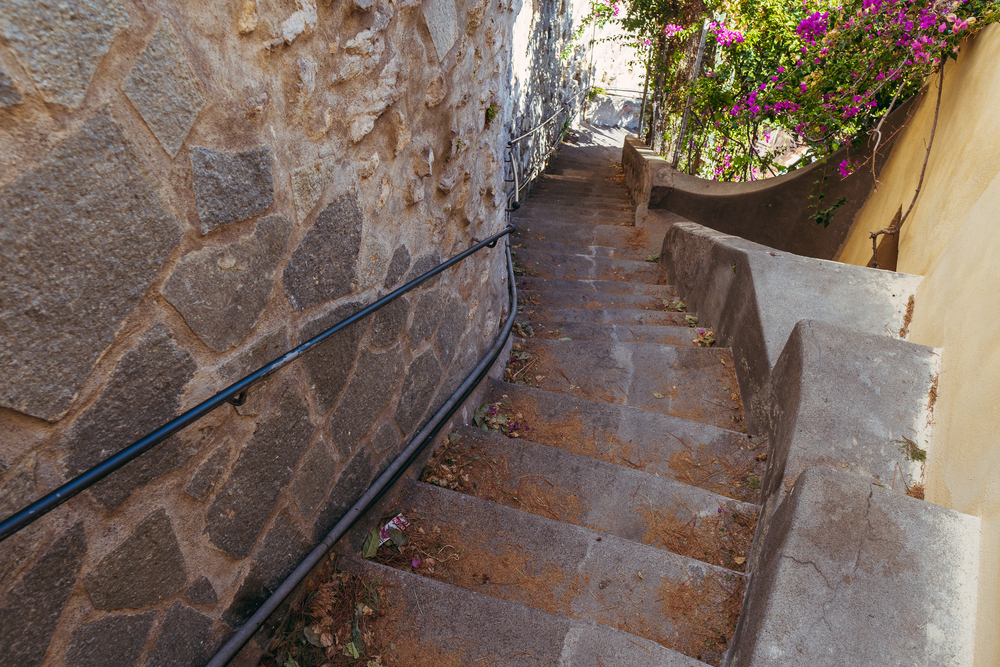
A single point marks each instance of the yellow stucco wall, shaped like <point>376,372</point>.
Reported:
<point>952,238</point>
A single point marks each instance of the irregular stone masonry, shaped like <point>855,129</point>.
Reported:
<point>188,192</point>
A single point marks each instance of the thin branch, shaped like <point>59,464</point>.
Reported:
<point>894,229</point>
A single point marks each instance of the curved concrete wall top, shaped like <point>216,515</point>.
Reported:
<point>774,212</point>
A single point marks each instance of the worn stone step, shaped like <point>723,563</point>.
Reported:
<point>625,333</point>
<point>595,188</point>
<point>614,236</point>
<point>554,299</point>
<point>624,316</point>
<point>854,574</point>
<point>437,624</point>
<point>569,570</point>
<point>570,211</point>
<point>610,252</point>
<point>594,286</point>
<point>576,199</point>
<point>638,506</point>
<point>698,454</point>
<point>690,382</point>
<point>557,265</point>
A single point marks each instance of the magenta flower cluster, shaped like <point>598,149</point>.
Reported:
<point>814,27</point>
<point>724,35</point>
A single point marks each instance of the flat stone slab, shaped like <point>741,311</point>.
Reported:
<point>587,491</point>
<point>612,236</point>
<point>570,570</point>
<point>853,574</point>
<point>62,49</point>
<point>221,291</point>
<point>163,89</point>
<point>231,187</point>
<point>84,235</point>
<point>619,333</point>
<point>625,316</point>
<point>585,250</point>
<point>473,628</point>
<point>580,267</point>
<point>593,286</point>
<point>599,301</point>
<point>681,449</point>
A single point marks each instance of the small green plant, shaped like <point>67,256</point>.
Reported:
<point>653,258</point>
<point>566,52</point>
<point>491,113</point>
<point>692,320</point>
<point>594,92</point>
<point>706,338</point>
<point>676,305</point>
<point>910,450</point>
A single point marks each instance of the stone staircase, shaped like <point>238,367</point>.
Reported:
<point>601,509</point>
<point>607,507</point>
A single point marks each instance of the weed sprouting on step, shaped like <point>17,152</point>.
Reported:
<point>673,305</point>
<point>336,623</point>
<point>722,538</point>
<point>704,338</point>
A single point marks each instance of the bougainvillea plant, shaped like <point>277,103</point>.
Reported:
<point>821,73</point>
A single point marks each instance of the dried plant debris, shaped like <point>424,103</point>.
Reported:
<point>336,624</point>
<point>705,338</point>
<point>522,367</point>
<point>500,418</point>
<point>722,538</point>
<point>736,475</point>
<point>674,305</point>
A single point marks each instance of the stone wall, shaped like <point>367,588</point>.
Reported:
<point>187,190</point>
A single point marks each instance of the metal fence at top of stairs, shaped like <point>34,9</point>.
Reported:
<point>236,393</point>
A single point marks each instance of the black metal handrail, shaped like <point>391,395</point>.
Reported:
<point>231,394</point>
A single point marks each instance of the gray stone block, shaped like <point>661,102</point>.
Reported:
<point>143,393</point>
<point>385,438</point>
<point>221,291</point>
<point>113,640</point>
<point>62,48</point>
<point>887,380</point>
<point>262,472</point>
<point>329,363</point>
<point>398,266</point>
<point>31,610</point>
<point>9,94</point>
<point>84,234</point>
<point>389,322</point>
<point>264,350</point>
<point>280,552</point>
<point>310,486</point>
<point>422,265</point>
<point>184,639</point>
<point>417,391</point>
<point>201,592</point>
<point>208,474</point>
<point>230,187</point>
<point>853,574</point>
<point>163,89</point>
<point>348,488</point>
<point>753,296</point>
<point>442,22</point>
<point>324,265</point>
<point>426,317</point>
<point>454,315</point>
<point>148,566</point>
<point>370,391</point>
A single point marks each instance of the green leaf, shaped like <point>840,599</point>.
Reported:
<point>371,544</point>
<point>565,338</point>
<point>657,395</point>
<point>692,320</point>
<point>350,650</point>
<point>654,257</point>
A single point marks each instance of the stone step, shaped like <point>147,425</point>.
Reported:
<point>627,237</point>
<point>553,299</point>
<point>433,623</point>
<point>580,267</point>
<point>575,199</point>
<point>719,460</point>
<point>594,286</point>
<point>634,505</point>
<point>636,255</point>
<point>854,574</point>
<point>624,333</point>
<point>567,570</point>
<point>624,316</point>
<point>569,210</point>
<point>596,188</point>
<point>690,382</point>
